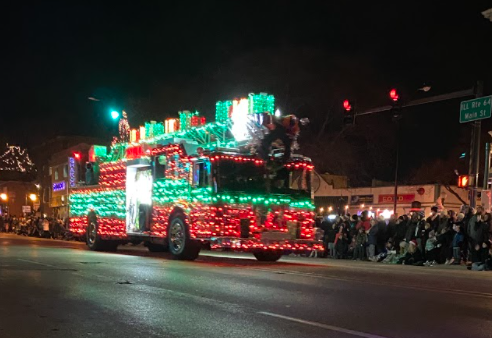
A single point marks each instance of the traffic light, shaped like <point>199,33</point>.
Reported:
<point>348,117</point>
<point>77,156</point>
<point>463,181</point>
<point>394,95</point>
<point>396,105</point>
<point>347,106</point>
<point>115,115</point>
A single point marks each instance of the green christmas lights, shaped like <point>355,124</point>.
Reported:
<point>153,129</point>
<point>222,111</point>
<point>106,203</point>
<point>260,103</point>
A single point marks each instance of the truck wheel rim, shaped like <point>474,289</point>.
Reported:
<point>177,236</point>
<point>92,233</point>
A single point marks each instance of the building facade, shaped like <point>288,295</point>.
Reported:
<point>341,200</point>
<point>18,198</point>
<point>65,170</point>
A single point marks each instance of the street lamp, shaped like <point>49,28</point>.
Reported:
<point>3,196</point>
<point>33,197</point>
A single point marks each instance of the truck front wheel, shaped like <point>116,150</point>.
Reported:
<point>267,256</point>
<point>95,243</point>
<point>181,246</point>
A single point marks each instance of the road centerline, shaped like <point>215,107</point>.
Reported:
<point>324,326</point>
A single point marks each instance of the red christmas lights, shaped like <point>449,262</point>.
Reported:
<point>299,165</point>
<point>237,159</point>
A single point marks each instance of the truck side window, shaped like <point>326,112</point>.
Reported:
<point>160,166</point>
<point>200,175</point>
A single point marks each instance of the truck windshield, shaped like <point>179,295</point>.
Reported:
<point>291,182</point>
<point>240,176</point>
<point>247,177</point>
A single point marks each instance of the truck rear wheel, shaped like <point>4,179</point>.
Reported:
<point>267,256</point>
<point>94,242</point>
<point>181,246</point>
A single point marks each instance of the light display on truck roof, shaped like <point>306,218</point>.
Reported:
<point>183,183</point>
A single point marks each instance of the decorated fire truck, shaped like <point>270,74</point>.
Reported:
<point>182,185</point>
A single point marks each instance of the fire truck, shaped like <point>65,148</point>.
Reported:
<point>183,185</point>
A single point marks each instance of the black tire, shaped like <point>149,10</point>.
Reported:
<point>156,247</point>
<point>94,242</point>
<point>180,244</point>
<point>268,256</point>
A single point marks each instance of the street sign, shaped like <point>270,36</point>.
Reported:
<point>26,209</point>
<point>476,109</point>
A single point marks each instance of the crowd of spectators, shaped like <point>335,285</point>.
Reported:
<point>444,237</point>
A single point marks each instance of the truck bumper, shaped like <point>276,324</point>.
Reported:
<point>253,244</point>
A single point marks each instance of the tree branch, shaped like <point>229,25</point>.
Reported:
<point>448,188</point>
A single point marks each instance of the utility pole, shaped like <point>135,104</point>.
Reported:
<point>395,197</point>
<point>474,163</point>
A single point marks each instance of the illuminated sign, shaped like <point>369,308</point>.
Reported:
<point>72,171</point>
<point>57,186</point>
<point>403,198</point>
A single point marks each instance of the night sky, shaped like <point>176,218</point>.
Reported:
<point>155,58</point>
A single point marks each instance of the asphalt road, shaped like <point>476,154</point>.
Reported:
<point>59,289</point>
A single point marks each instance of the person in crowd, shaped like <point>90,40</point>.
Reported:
<point>360,244</point>
<point>444,222</point>
<point>330,232</point>
<point>387,250</point>
<point>412,228</point>
<point>474,227</point>
<point>456,244</point>
<point>381,237</point>
<point>391,229</point>
<point>400,231</point>
<point>480,256</point>
<point>392,255</point>
<point>372,239</point>
<point>318,236</point>
<point>354,220</point>
<point>434,218</point>
<point>444,238</point>
<point>341,243</point>
<point>365,221</point>
<point>458,238</point>
<point>413,255</point>
<point>430,249</point>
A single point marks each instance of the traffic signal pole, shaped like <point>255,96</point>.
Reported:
<point>395,197</point>
<point>474,164</point>
<point>476,91</point>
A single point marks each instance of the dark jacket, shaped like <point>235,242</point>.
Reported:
<point>413,258</point>
<point>401,230</point>
<point>410,234</point>
<point>457,239</point>
<point>372,235</point>
<point>361,238</point>
<point>443,224</point>
<point>434,223</point>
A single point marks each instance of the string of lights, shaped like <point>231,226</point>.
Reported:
<point>16,159</point>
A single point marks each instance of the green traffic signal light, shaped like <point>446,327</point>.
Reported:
<point>115,114</point>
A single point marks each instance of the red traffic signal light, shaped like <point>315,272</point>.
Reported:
<point>76,156</point>
<point>394,95</point>
<point>463,181</point>
<point>346,105</point>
